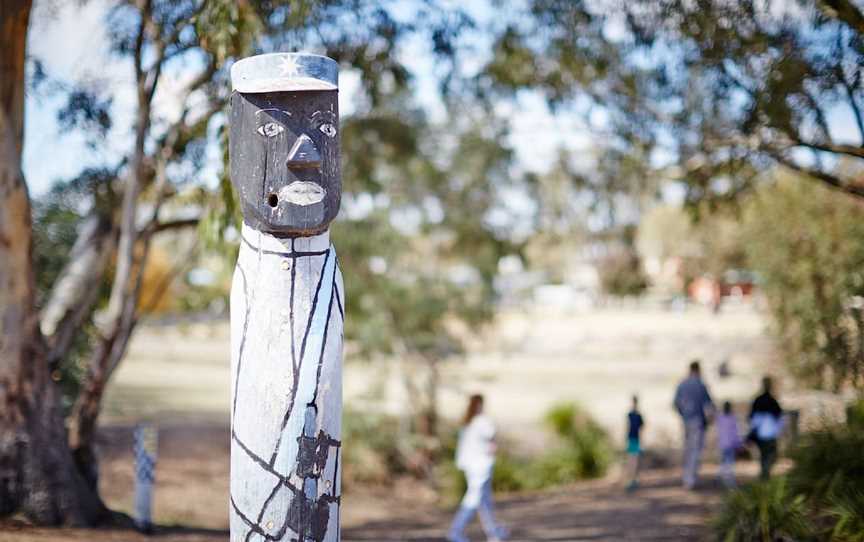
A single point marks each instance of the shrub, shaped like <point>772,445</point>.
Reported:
<point>621,275</point>
<point>586,444</point>
<point>378,449</point>
<point>855,415</point>
<point>828,471</point>
<point>561,419</point>
<point>846,513</point>
<point>828,460</point>
<point>583,451</point>
<point>509,473</point>
<point>821,496</point>
<point>763,511</point>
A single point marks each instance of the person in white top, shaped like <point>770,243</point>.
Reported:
<point>475,457</point>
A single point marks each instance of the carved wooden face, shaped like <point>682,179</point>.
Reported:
<point>284,154</point>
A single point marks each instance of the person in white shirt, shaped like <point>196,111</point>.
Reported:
<point>475,457</point>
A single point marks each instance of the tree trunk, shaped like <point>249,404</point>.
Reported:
<point>421,378</point>
<point>84,418</point>
<point>430,407</point>
<point>76,290</point>
<point>37,475</point>
<point>119,316</point>
<point>85,412</point>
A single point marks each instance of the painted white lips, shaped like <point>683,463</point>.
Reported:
<point>302,193</point>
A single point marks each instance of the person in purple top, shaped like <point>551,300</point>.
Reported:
<point>693,403</point>
<point>729,441</point>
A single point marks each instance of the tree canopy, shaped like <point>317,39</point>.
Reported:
<point>709,93</point>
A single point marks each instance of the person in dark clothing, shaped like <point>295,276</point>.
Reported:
<point>766,421</point>
<point>634,447</point>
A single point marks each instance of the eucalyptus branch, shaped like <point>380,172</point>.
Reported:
<point>853,189</point>
<point>853,103</point>
<point>162,46</point>
<point>145,7</point>
<point>820,115</point>
<point>741,85</point>
<point>127,316</point>
<point>187,21</point>
<point>155,72</point>
<point>850,150</point>
<point>845,11</point>
<point>169,225</point>
<point>203,78</point>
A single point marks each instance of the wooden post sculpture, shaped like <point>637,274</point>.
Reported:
<point>286,301</point>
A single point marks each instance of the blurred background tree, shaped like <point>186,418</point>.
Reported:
<point>807,243</point>
<point>710,94</point>
<point>621,272</point>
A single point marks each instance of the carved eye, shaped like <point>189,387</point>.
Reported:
<point>271,129</point>
<point>328,129</point>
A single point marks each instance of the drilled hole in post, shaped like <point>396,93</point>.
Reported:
<point>272,200</point>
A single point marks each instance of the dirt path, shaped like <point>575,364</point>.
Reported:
<point>191,495</point>
<point>659,510</point>
<point>599,510</point>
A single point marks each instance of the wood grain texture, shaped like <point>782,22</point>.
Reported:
<point>286,362</point>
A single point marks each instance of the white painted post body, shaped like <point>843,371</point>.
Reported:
<point>286,363</point>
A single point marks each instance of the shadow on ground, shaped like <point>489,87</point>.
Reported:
<point>599,510</point>
<point>192,492</point>
<point>659,510</point>
<point>12,530</point>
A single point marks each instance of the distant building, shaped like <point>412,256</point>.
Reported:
<point>736,283</point>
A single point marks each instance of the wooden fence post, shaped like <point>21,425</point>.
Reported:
<point>287,304</point>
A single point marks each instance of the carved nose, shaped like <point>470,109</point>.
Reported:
<point>304,153</point>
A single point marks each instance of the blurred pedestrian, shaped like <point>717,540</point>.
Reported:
<point>693,403</point>
<point>634,448</point>
<point>729,442</point>
<point>766,422</point>
<point>475,457</point>
<point>724,370</point>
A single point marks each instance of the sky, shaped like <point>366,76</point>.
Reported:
<point>70,39</point>
<point>65,42</point>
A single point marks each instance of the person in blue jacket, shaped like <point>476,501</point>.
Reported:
<point>694,404</point>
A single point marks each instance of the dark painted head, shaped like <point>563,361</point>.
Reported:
<point>284,142</point>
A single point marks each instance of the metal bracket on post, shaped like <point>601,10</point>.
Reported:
<point>287,304</point>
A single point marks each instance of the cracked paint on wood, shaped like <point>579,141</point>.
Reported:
<point>287,312</point>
